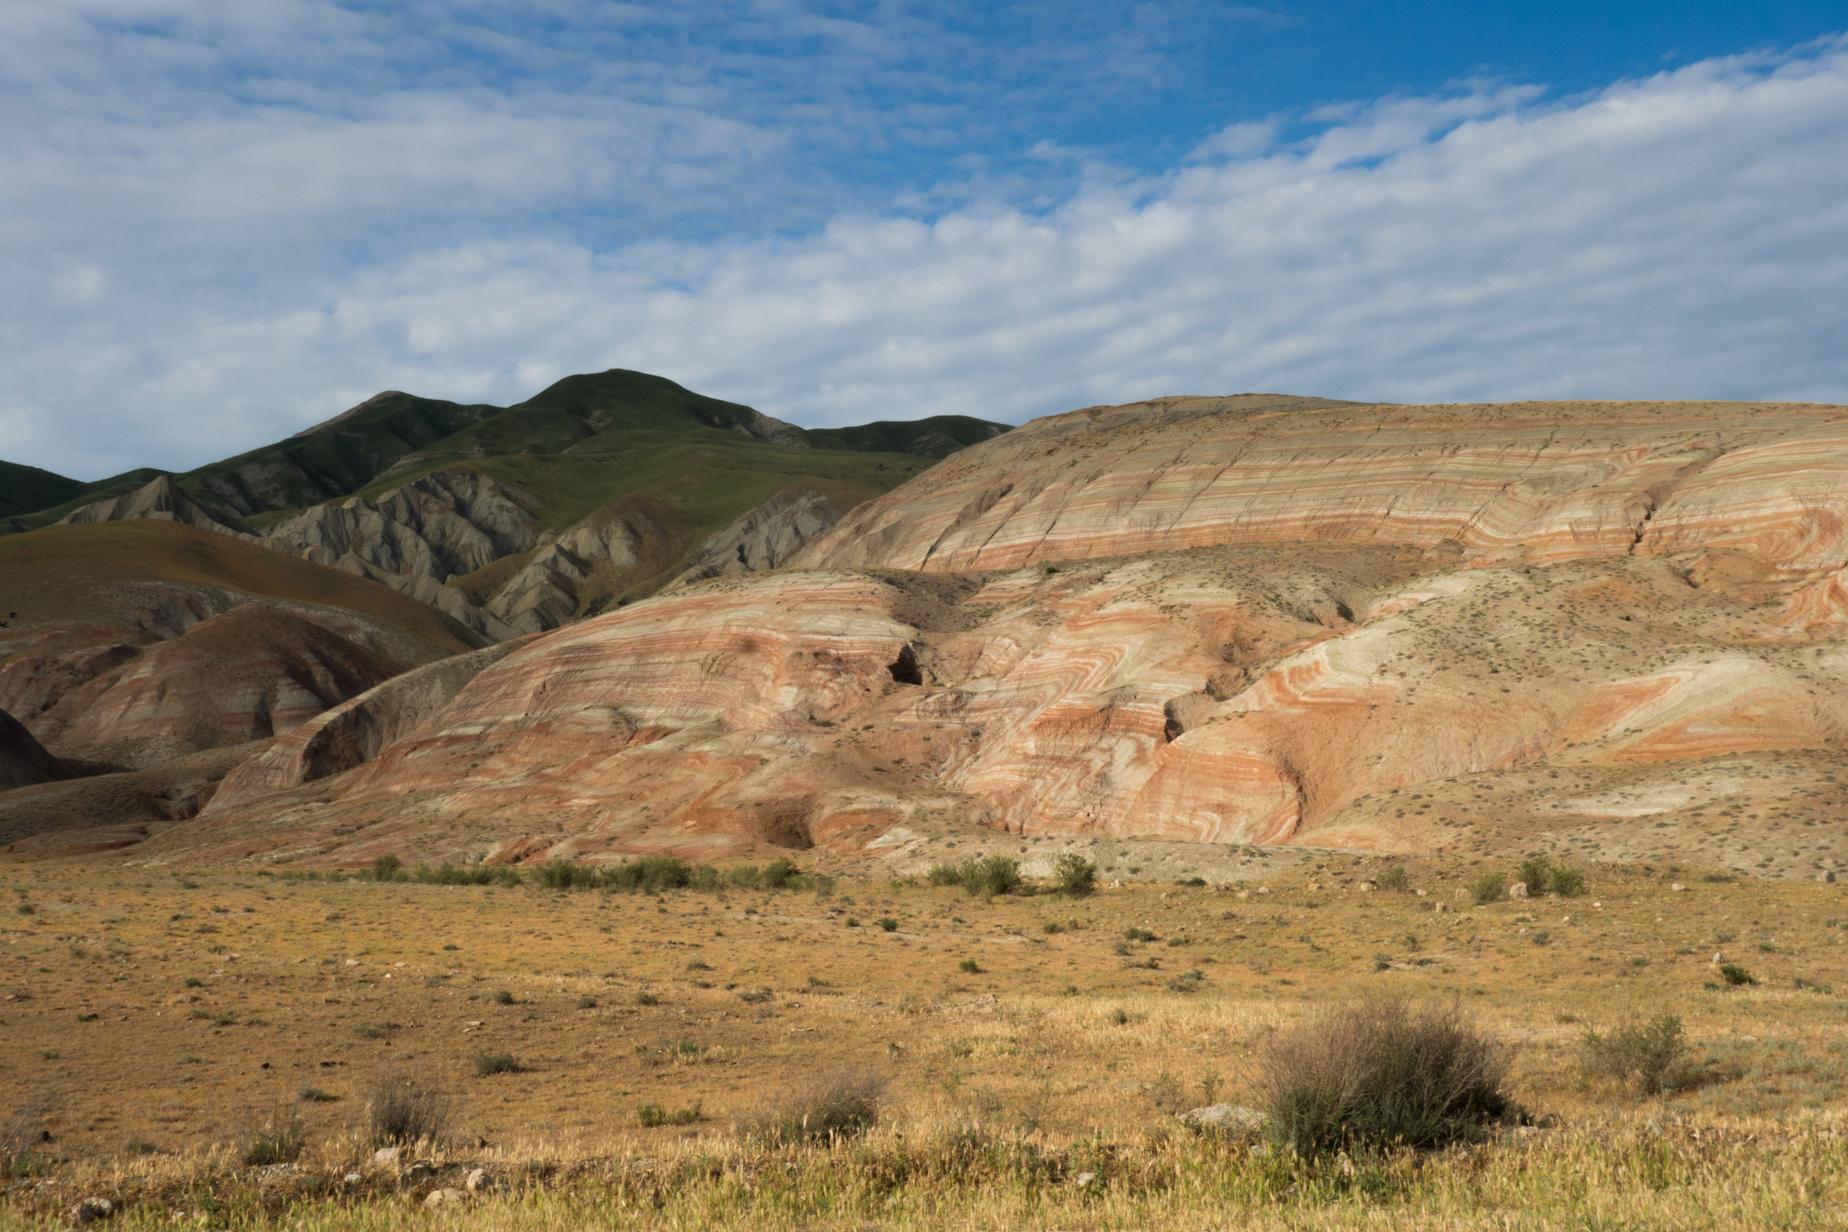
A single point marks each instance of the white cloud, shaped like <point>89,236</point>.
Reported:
<point>1684,235</point>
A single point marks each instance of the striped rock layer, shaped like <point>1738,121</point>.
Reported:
<point>1233,620</point>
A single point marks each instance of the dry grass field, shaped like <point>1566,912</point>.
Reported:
<point>1034,1049</point>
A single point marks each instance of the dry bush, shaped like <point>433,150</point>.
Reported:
<point>403,1108</point>
<point>280,1139</point>
<point>833,1107</point>
<point>1382,1073</point>
<point>1651,1055</point>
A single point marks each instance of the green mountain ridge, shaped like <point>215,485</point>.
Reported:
<point>621,418</point>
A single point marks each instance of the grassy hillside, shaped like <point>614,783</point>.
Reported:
<point>936,437</point>
<point>25,488</point>
<point>604,435</point>
<point>331,459</point>
<point>32,497</point>
<point>77,574</point>
<point>617,416</point>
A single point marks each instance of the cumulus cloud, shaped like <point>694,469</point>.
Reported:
<point>1683,235</point>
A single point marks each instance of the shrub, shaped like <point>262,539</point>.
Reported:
<point>888,923</point>
<point>488,1064</point>
<point>989,876</point>
<point>944,875</point>
<point>1394,877</point>
<point>566,875</point>
<point>653,1116</point>
<point>280,1140</point>
<point>387,868</point>
<point>1568,882</point>
<point>1489,888</point>
<point>1535,873</point>
<point>1379,1074</point>
<point>649,875</point>
<point>1736,975</point>
<point>402,1108</point>
<point>1648,1054</point>
<point>834,1107</point>
<point>969,967</point>
<point>1073,874</point>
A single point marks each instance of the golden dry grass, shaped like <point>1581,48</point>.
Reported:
<point>151,1019</point>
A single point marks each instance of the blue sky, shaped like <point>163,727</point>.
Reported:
<point>221,222</point>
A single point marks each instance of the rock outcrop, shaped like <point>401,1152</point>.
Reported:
<point>768,537</point>
<point>23,760</point>
<point>159,500</point>
<point>438,526</point>
<point>1246,620</point>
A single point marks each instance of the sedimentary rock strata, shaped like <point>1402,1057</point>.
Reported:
<point>1537,482</point>
<point>1234,620</point>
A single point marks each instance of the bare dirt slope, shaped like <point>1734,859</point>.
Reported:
<point>1612,628</point>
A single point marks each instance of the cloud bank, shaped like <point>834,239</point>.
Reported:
<point>223,273</point>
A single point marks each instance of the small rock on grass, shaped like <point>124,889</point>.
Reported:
<point>439,1199</point>
<point>93,1210</point>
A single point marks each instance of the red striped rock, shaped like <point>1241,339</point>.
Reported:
<point>1241,620</point>
<point>1543,481</point>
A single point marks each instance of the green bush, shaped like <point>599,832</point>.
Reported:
<point>653,1116</point>
<point>648,875</point>
<point>1541,876</point>
<point>1648,1054</point>
<point>1568,882</point>
<point>1489,888</point>
<point>990,875</point>
<point>944,875</point>
<point>1394,877</point>
<point>387,868</point>
<point>1736,975</point>
<point>472,874</point>
<point>1381,1074</point>
<point>1535,873</point>
<point>1073,874</point>
<point>488,1064</point>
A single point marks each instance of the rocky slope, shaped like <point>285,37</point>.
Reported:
<point>159,500</point>
<point>768,537</point>
<point>1602,628</point>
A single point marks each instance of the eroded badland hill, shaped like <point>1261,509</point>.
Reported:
<point>1610,629</point>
